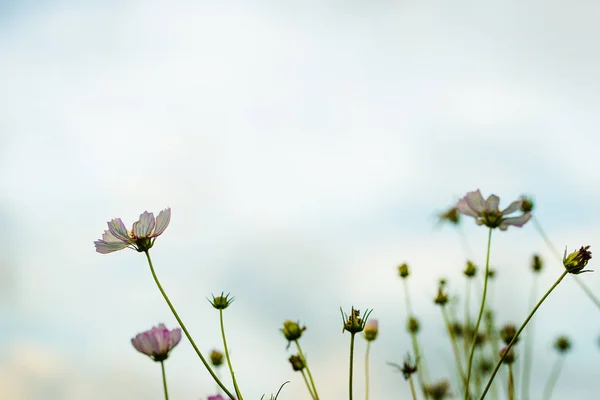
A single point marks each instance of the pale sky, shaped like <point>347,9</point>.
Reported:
<point>305,148</point>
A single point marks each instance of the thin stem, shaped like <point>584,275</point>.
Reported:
<point>467,326</point>
<point>367,369</point>
<point>549,388</point>
<point>314,388</point>
<point>351,364</point>
<point>511,383</point>
<point>527,359</point>
<point>235,385</point>
<point>463,241</point>
<point>419,362</point>
<point>307,385</point>
<point>187,334</point>
<point>487,387</point>
<point>164,379</point>
<point>412,387</point>
<point>454,346</point>
<point>409,310</point>
<point>481,308</point>
<point>557,254</point>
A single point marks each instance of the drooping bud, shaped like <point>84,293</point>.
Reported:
<point>577,260</point>
<point>216,358</point>
<point>403,270</point>
<point>371,330</point>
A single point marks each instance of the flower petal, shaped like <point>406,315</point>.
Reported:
<point>175,338</point>
<point>464,208</point>
<point>492,202</point>
<point>142,343</point>
<point>475,201</point>
<point>515,221</point>
<point>514,206</point>
<point>162,221</point>
<point>144,227</point>
<point>118,229</point>
<point>109,243</point>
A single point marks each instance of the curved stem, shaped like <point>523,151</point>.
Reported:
<point>367,370</point>
<point>314,388</point>
<point>549,388</point>
<point>527,359</point>
<point>184,329</point>
<point>473,340</point>
<point>351,364</point>
<point>164,379</point>
<point>235,385</point>
<point>557,254</point>
<point>454,346</point>
<point>512,342</point>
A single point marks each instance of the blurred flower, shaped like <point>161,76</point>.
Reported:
<point>221,302</point>
<point>353,323</point>
<point>216,358</point>
<point>470,269</point>
<point>510,356</point>
<point>527,204</point>
<point>486,212</point>
<point>292,330</point>
<point>403,270</point>
<point>216,397</point>
<point>141,237</point>
<point>413,325</point>
<point>371,329</point>
<point>508,332</point>
<point>577,260</point>
<point>562,344</point>
<point>537,263</point>
<point>442,297</point>
<point>157,342</point>
<point>438,390</point>
<point>451,216</point>
<point>297,362</point>
<point>407,368</point>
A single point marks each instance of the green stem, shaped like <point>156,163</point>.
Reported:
<point>557,254</point>
<point>412,388</point>
<point>187,334</point>
<point>481,308</point>
<point>549,388</point>
<point>164,379</point>
<point>511,383</point>
<point>235,385</point>
<point>467,326</point>
<point>527,359</point>
<point>419,362</point>
<point>312,396</point>
<point>367,370</point>
<point>351,364</point>
<point>487,387</point>
<point>314,388</point>
<point>407,298</point>
<point>454,346</point>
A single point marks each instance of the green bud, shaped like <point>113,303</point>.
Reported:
<point>537,263</point>
<point>216,358</point>
<point>292,330</point>
<point>562,344</point>
<point>413,325</point>
<point>221,302</point>
<point>510,356</point>
<point>353,323</point>
<point>507,333</point>
<point>577,260</point>
<point>297,362</point>
<point>403,271</point>
<point>470,270</point>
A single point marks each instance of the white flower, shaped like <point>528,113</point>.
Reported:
<point>486,212</point>
<point>141,237</point>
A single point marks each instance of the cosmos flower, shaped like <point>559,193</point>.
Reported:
<point>486,212</point>
<point>141,237</point>
<point>157,342</point>
<point>371,329</point>
<point>217,397</point>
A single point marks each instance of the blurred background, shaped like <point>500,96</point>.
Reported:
<point>306,148</point>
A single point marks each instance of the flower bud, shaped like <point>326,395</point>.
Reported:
<point>297,362</point>
<point>577,260</point>
<point>353,323</point>
<point>292,330</point>
<point>438,391</point>
<point>527,204</point>
<point>403,271</point>
<point>507,333</point>
<point>470,270</point>
<point>371,330</point>
<point>510,356</point>
<point>221,302</point>
<point>537,263</point>
<point>413,325</point>
<point>451,216</point>
<point>562,344</point>
<point>216,358</point>
<point>442,298</point>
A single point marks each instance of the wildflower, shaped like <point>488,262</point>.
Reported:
<point>577,260</point>
<point>451,216</point>
<point>297,362</point>
<point>537,263</point>
<point>292,331</point>
<point>470,270</point>
<point>216,358</point>
<point>157,342</point>
<point>221,302</point>
<point>371,329</point>
<point>510,356</point>
<point>508,332</point>
<point>141,237</point>
<point>438,391</point>
<point>486,212</point>
<point>403,271</point>
<point>353,323</point>
<point>562,344</point>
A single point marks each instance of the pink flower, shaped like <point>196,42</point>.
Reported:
<point>141,237</point>
<point>486,212</point>
<point>157,342</point>
<point>371,329</point>
<point>217,397</point>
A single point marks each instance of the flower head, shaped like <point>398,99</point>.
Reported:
<point>451,216</point>
<point>141,237</point>
<point>562,344</point>
<point>470,270</point>
<point>403,270</point>
<point>486,212</point>
<point>157,342</point>
<point>509,358</point>
<point>577,260</point>
<point>508,332</point>
<point>221,302</point>
<point>216,358</point>
<point>407,368</point>
<point>297,362</point>
<point>292,330</point>
<point>371,329</point>
<point>353,323</point>
<point>438,391</point>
